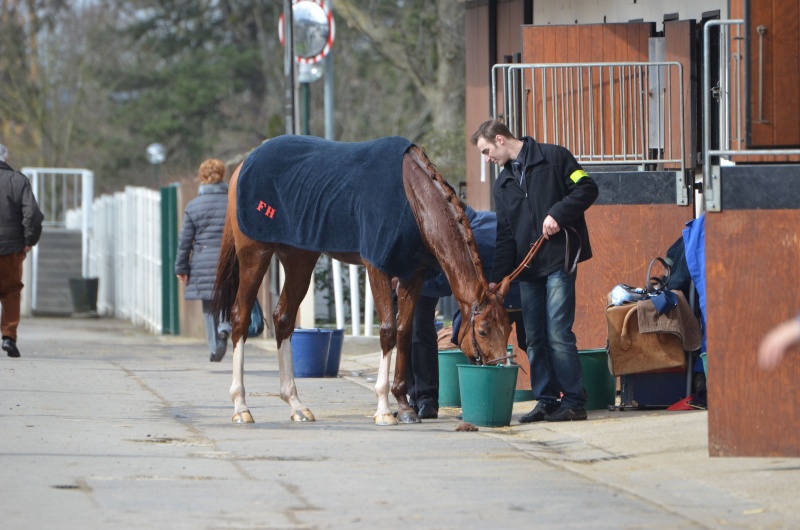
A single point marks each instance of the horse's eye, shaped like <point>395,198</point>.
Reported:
<point>482,333</point>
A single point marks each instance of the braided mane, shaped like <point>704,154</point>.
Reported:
<point>453,202</point>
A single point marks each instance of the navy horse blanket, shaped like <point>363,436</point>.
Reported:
<point>328,196</point>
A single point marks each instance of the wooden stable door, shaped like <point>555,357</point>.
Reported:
<point>772,30</point>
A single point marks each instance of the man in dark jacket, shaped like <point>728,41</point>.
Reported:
<point>542,190</point>
<point>20,228</point>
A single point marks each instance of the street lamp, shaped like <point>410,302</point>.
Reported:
<point>156,155</point>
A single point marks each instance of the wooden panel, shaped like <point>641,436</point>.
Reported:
<point>478,110</point>
<point>752,284</point>
<point>624,239</point>
<point>591,43</point>
<point>510,15</point>
<point>774,82</point>
<point>786,102</point>
<point>478,85</point>
<point>680,47</point>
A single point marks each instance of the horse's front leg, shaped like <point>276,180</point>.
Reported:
<point>288,389</point>
<point>299,266</point>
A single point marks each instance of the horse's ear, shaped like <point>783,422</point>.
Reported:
<point>502,290</point>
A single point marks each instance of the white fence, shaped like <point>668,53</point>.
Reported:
<point>125,254</point>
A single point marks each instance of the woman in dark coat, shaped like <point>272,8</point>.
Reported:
<point>198,249</point>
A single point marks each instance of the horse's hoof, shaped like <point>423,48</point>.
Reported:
<point>243,417</point>
<point>385,420</point>
<point>408,416</point>
<point>303,415</point>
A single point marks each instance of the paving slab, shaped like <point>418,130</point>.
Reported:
<point>106,426</point>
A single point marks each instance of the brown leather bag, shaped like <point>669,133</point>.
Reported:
<point>631,352</point>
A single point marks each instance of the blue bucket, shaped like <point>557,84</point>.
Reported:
<point>310,351</point>
<point>334,353</point>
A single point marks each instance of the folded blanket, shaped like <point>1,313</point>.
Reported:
<point>679,321</point>
<point>328,196</point>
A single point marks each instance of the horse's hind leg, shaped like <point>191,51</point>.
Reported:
<point>253,263</point>
<point>407,295</point>
<point>382,294</point>
<point>299,266</point>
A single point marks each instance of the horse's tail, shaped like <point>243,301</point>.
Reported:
<point>226,284</point>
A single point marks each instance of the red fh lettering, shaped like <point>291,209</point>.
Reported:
<point>268,210</point>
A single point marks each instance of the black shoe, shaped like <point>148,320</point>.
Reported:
<point>567,414</point>
<point>10,346</point>
<point>428,412</point>
<point>212,358</point>
<point>539,412</point>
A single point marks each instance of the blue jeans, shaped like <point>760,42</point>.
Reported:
<point>548,309</point>
<point>213,327</point>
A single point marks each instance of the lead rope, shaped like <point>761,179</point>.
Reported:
<point>535,247</point>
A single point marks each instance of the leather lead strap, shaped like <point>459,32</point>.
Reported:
<point>538,245</point>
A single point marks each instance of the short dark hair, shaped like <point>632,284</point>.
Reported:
<point>489,130</point>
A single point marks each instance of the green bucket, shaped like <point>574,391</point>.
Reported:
<point>449,389</point>
<point>600,385</point>
<point>487,394</point>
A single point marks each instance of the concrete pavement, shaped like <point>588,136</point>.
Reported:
<point>106,426</point>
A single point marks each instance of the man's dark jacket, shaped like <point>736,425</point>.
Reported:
<point>20,217</point>
<point>555,185</point>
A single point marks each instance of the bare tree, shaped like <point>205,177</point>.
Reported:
<point>438,76</point>
<point>42,77</point>
<point>425,41</point>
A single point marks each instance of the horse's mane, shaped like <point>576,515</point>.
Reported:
<point>454,204</point>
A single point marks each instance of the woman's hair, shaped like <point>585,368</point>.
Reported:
<point>211,171</point>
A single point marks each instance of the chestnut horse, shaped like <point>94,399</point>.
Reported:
<point>446,234</point>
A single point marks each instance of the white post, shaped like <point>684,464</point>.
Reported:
<point>338,295</point>
<point>369,308</point>
<point>306,316</point>
<point>355,301</point>
<point>87,196</point>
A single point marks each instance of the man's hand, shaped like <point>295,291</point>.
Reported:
<point>492,285</point>
<point>549,227</point>
<point>184,278</point>
<point>26,249</point>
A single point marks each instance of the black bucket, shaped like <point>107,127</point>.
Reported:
<point>84,296</point>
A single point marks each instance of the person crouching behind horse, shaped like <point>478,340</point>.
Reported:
<point>198,249</point>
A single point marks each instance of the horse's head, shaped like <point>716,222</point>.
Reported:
<point>485,328</point>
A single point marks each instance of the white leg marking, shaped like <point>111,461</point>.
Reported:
<point>237,387</point>
<point>382,385</point>
<point>288,389</point>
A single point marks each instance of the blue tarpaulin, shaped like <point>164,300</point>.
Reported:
<point>694,241</point>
